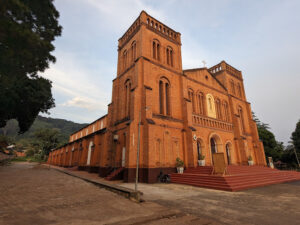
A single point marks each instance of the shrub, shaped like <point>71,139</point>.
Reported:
<point>29,152</point>
<point>179,162</point>
<point>201,157</point>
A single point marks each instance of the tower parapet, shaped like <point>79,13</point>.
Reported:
<point>223,66</point>
<point>152,24</point>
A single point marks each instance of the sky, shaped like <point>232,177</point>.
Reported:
<point>259,37</point>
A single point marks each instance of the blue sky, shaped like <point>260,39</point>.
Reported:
<point>261,38</point>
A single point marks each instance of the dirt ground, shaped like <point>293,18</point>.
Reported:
<point>32,194</point>
<point>275,204</point>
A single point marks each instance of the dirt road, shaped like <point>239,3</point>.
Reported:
<point>31,194</point>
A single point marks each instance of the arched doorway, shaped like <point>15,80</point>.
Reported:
<point>228,154</point>
<point>89,154</point>
<point>199,148</point>
<point>213,146</point>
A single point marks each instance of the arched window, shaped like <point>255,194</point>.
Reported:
<point>167,98</point>
<point>232,87</point>
<point>192,99</point>
<point>201,105</point>
<point>169,53</point>
<point>124,59</point>
<point>226,111</point>
<point>239,90</point>
<point>127,98</point>
<point>133,51</point>
<point>218,109</point>
<point>156,50</point>
<point>242,122</point>
<point>164,97</point>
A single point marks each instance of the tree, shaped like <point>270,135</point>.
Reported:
<point>296,137</point>
<point>27,30</point>
<point>46,139</point>
<point>272,148</point>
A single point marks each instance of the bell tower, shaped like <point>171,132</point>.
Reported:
<point>151,39</point>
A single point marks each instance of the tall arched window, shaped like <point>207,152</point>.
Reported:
<point>156,50</point>
<point>218,109</point>
<point>226,111</point>
<point>124,59</point>
<point>164,97</point>
<point>239,90</point>
<point>170,53</point>
<point>133,51</point>
<point>201,105</point>
<point>192,99</point>
<point>167,98</point>
<point>232,87</point>
<point>127,98</point>
<point>242,122</point>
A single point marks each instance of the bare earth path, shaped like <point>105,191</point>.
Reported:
<point>32,194</point>
<point>274,204</point>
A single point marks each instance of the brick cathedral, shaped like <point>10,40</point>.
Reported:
<point>182,113</point>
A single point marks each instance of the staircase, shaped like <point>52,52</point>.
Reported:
<point>238,177</point>
<point>115,174</point>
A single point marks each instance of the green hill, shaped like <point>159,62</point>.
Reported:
<point>65,127</point>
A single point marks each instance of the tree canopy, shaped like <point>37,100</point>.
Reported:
<point>296,137</point>
<point>272,148</point>
<point>27,30</point>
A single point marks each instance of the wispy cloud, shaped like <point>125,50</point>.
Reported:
<point>83,102</point>
<point>258,37</point>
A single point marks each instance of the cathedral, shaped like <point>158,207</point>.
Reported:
<point>163,112</point>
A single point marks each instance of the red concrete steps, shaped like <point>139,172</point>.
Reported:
<point>240,178</point>
<point>115,174</point>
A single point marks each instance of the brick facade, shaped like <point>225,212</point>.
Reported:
<point>182,112</point>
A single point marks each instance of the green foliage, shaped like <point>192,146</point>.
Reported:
<point>179,162</point>
<point>201,157</point>
<point>250,158</point>
<point>30,152</point>
<point>288,157</point>
<point>272,148</point>
<point>24,140</point>
<point>28,159</point>
<point>296,138</point>
<point>27,30</point>
<point>45,140</point>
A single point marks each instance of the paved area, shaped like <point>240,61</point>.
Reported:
<point>32,194</point>
<point>275,204</point>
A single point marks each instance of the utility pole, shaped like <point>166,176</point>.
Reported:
<point>138,155</point>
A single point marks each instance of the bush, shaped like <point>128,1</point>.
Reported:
<point>179,162</point>
<point>201,157</point>
<point>29,152</point>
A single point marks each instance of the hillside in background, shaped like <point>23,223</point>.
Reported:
<point>64,126</point>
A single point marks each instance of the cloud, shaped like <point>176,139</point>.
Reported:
<point>83,102</point>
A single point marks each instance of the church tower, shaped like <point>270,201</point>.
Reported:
<point>148,75</point>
